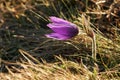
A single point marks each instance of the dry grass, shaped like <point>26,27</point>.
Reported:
<point>60,70</point>
<point>26,54</point>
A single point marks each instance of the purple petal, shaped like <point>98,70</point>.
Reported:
<point>58,20</point>
<point>64,29</point>
<point>57,36</point>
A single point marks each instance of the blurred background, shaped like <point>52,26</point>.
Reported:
<point>23,25</point>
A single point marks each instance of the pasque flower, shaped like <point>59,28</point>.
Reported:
<point>62,29</point>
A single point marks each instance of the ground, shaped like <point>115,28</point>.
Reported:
<point>28,55</point>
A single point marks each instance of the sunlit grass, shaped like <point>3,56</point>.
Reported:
<point>28,55</point>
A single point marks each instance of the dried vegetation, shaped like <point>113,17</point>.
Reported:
<point>26,54</point>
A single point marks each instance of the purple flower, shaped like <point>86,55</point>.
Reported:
<point>62,29</point>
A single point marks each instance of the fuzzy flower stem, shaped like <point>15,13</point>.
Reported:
<point>94,47</point>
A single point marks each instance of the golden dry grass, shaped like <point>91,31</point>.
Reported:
<point>27,55</point>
